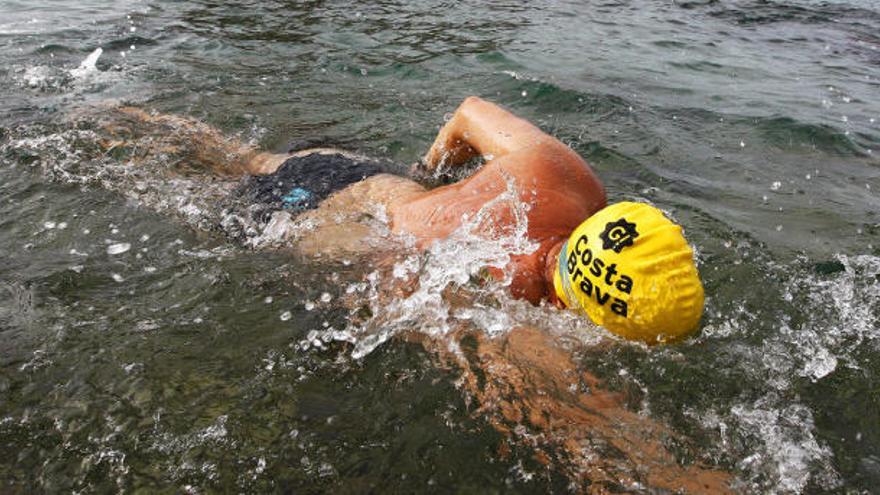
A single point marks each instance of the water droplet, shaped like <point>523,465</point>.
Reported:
<point>286,315</point>
<point>118,248</point>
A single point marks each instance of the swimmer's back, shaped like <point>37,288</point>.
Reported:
<point>556,184</point>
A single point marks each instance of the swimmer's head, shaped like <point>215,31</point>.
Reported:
<point>630,269</point>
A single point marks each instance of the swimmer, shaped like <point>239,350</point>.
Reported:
<point>626,266</point>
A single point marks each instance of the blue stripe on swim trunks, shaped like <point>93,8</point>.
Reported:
<point>296,199</point>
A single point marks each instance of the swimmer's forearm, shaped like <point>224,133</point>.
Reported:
<point>479,127</point>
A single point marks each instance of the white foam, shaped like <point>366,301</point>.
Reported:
<point>789,453</point>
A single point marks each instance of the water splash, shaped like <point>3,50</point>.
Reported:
<point>830,314</point>
<point>460,261</point>
<point>843,315</point>
<point>789,454</point>
<point>88,66</point>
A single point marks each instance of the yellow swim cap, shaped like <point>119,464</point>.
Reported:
<point>630,269</point>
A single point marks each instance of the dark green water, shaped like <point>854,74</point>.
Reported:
<point>173,367</point>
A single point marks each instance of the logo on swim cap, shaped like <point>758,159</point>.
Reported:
<point>618,235</point>
<point>630,269</point>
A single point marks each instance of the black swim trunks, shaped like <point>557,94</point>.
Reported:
<point>302,182</point>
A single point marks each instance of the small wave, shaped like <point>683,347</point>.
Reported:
<point>790,135</point>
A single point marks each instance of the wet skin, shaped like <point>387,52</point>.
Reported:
<point>558,186</point>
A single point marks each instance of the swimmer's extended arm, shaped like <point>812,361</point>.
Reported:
<point>481,128</point>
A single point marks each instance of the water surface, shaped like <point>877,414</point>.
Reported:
<point>191,362</point>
